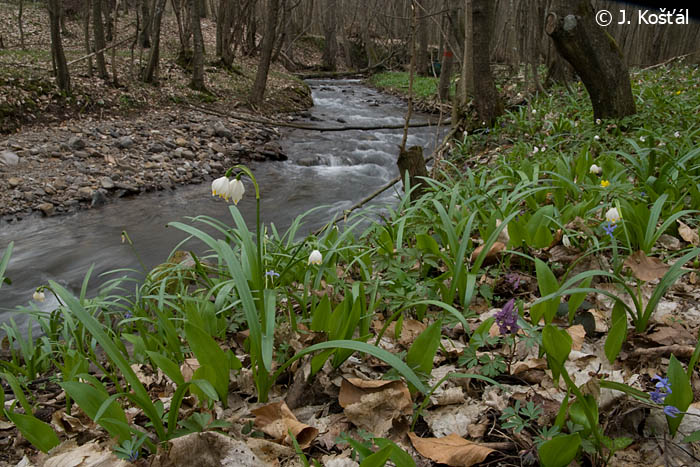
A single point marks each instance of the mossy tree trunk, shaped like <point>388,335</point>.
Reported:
<point>595,56</point>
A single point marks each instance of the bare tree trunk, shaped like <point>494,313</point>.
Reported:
<point>410,162</point>
<point>486,99</point>
<point>446,60</point>
<point>115,80</point>
<point>258,91</point>
<point>99,35</point>
<point>197,82</point>
<point>595,56</point>
<point>59,58</point>
<point>330,51</point>
<point>146,17</point>
<point>86,35</point>
<point>422,66</point>
<point>19,23</point>
<point>149,74</point>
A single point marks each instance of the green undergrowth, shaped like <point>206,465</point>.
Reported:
<point>520,188</point>
<point>424,87</point>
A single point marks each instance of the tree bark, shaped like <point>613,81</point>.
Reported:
<point>86,34</point>
<point>595,56</point>
<point>19,23</point>
<point>146,17</point>
<point>486,99</point>
<point>99,35</point>
<point>412,161</point>
<point>268,42</point>
<point>59,57</point>
<point>330,51</point>
<point>197,82</point>
<point>149,74</point>
<point>422,66</point>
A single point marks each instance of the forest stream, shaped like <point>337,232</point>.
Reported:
<point>330,169</point>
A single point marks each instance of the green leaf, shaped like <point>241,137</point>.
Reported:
<point>209,354</point>
<point>320,316</point>
<point>682,394</point>
<point>576,299</point>
<point>548,284</point>
<point>378,459</point>
<point>557,344</point>
<point>383,355</point>
<point>693,437</point>
<point>617,333</point>
<point>90,399</point>
<point>400,457</point>
<point>420,355</point>
<point>427,244</point>
<point>4,262</point>
<point>559,451</point>
<point>168,367</point>
<point>39,433</point>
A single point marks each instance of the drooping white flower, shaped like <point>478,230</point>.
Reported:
<point>642,139</point>
<point>39,296</point>
<point>596,137</point>
<point>612,215</point>
<point>595,170</point>
<point>565,241</point>
<point>677,134</point>
<point>236,190</point>
<point>597,121</point>
<point>315,257</point>
<point>220,187</point>
<point>536,150</point>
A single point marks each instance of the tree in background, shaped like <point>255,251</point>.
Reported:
<point>595,56</point>
<point>486,99</point>
<point>268,43</point>
<point>330,50</point>
<point>59,58</point>
<point>197,82</point>
<point>150,73</point>
<point>99,36</point>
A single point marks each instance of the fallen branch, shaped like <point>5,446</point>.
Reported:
<point>680,351</point>
<point>99,51</point>
<point>297,126</point>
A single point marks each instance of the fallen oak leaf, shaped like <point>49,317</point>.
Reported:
<point>276,420</point>
<point>494,252</point>
<point>451,450</point>
<point>646,268</point>
<point>689,235</point>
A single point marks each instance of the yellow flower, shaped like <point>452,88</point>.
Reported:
<point>678,92</point>
<point>604,183</point>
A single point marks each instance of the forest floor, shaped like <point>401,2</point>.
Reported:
<point>105,141</point>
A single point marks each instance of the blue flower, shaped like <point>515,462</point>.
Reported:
<point>127,315</point>
<point>657,397</point>
<point>671,411</point>
<point>610,228</point>
<point>272,274</point>
<point>663,383</point>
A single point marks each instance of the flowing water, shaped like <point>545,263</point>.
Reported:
<point>330,169</point>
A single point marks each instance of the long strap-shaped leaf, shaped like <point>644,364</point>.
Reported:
<point>96,329</point>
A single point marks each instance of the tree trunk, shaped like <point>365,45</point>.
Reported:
<point>422,65</point>
<point>412,161</point>
<point>268,42</point>
<point>99,35</point>
<point>115,80</point>
<point>86,35</point>
<point>330,51</point>
<point>486,99</point>
<point>59,58</point>
<point>145,34</point>
<point>595,56</point>
<point>19,23</point>
<point>149,74</point>
<point>197,82</point>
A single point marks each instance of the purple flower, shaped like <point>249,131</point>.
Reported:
<point>272,274</point>
<point>671,411</point>
<point>610,228</point>
<point>513,279</point>
<point>507,318</point>
<point>663,389</point>
<point>127,315</point>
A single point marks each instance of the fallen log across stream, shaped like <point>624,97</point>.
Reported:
<point>265,121</point>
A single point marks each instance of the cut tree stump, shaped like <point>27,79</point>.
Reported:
<point>411,160</point>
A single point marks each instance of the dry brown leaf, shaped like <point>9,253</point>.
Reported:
<point>92,454</point>
<point>64,423</point>
<point>577,334</point>
<point>450,450</point>
<point>276,420</point>
<point>375,405</point>
<point>646,268</point>
<point>689,235</point>
<point>205,449</point>
<point>188,367</point>
<point>410,329</point>
<point>668,335</point>
<point>496,249</point>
